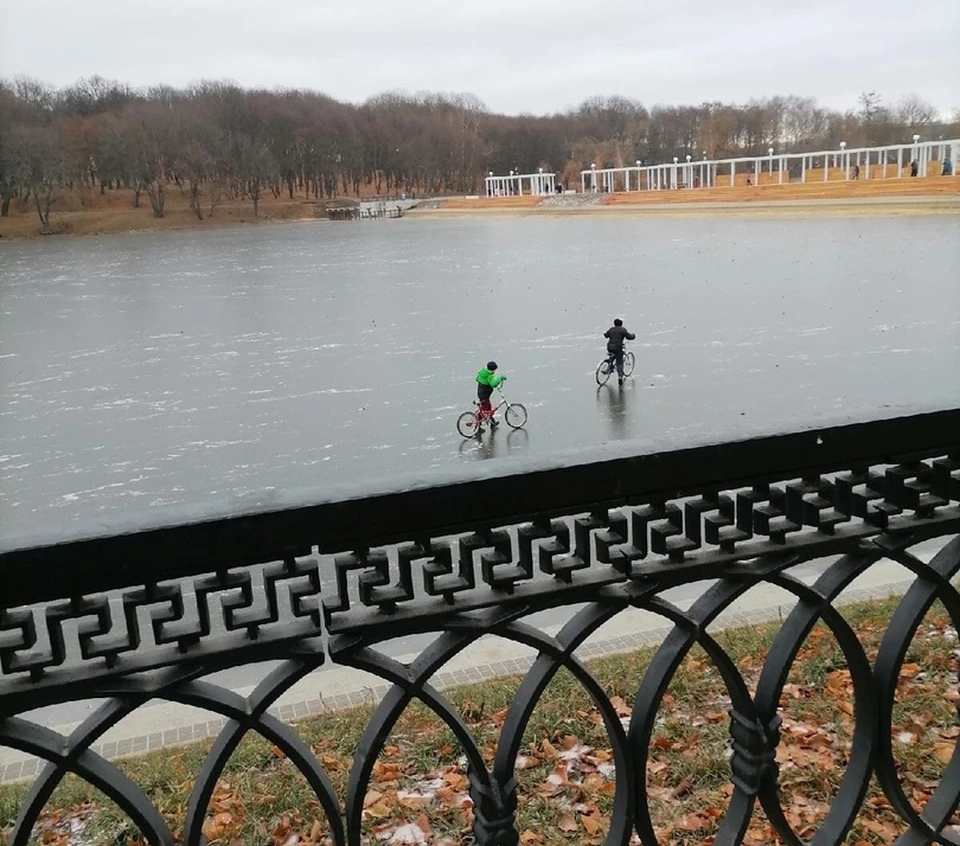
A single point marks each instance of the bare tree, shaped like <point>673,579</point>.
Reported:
<point>92,96</point>
<point>195,163</point>
<point>41,166</point>
<point>215,140</point>
<point>469,111</point>
<point>8,177</point>
<point>876,123</point>
<point>34,93</point>
<point>152,136</point>
<point>871,106</point>
<point>214,194</point>
<point>804,123</point>
<point>253,165</point>
<point>913,112</point>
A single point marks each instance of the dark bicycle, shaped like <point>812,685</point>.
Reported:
<point>609,366</point>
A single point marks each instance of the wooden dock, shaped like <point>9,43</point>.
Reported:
<point>359,213</point>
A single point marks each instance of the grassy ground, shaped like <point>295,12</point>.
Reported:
<point>92,213</point>
<point>418,792</point>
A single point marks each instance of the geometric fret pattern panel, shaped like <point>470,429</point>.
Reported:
<point>143,639</point>
<point>153,624</point>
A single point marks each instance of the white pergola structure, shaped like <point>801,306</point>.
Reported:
<point>514,185</point>
<point>893,161</point>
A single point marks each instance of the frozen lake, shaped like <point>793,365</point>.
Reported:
<point>145,372</point>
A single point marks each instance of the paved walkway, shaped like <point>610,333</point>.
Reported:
<point>332,687</point>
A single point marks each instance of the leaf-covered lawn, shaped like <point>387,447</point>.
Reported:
<point>567,778</point>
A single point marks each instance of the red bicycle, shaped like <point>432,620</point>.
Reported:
<point>470,423</point>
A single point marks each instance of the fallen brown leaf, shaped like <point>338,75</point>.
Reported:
<point>378,811</point>
<point>456,780</point>
<point>591,824</point>
<point>383,772</point>
<point>690,822</point>
<point>424,825</point>
<point>943,751</point>
<point>281,832</point>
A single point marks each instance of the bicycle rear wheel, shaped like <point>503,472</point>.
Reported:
<point>629,362</point>
<point>515,415</point>
<point>603,371</point>
<point>468,425</point>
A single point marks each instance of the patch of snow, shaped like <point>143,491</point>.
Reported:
<point>405,835</point>
<point>424,791</point>
<point>607,770</point>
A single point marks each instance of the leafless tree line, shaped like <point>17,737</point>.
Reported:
<point>215,140</point>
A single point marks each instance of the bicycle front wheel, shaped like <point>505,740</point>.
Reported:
<point>467,424</point>
<point>629,362</point>
<point>603,372</point>
<point>515,415</point>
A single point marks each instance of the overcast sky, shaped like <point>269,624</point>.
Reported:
<point>516,55</point>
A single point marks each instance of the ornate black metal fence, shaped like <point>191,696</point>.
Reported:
<point>472,559</point>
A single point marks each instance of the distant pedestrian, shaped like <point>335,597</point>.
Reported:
<point>947,168</point>
<point>914,168</point>
<point>856,171</point>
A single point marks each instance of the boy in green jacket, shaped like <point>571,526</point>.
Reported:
<point>487,380</point>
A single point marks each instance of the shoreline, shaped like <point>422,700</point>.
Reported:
<point>218,226</point>
<point>920,205</point>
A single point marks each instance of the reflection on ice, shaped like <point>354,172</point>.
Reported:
<point>496,444</point>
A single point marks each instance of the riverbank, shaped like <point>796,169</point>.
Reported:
<point>114,212</point>
<point>117,212</point>
<point>741,195</point>
<point>941,204</point>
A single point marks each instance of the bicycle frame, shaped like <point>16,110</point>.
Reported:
<point>481,415</point>
<point>612,357</point>
<point>471,423</point>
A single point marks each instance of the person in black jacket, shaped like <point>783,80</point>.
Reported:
<point>615,336</point>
